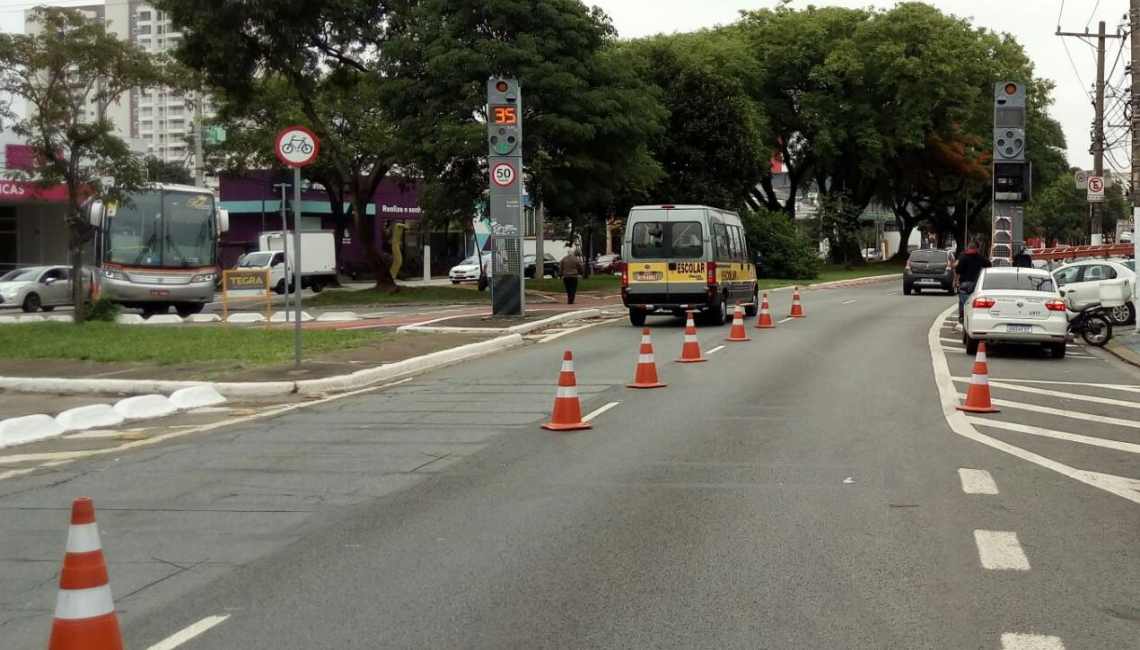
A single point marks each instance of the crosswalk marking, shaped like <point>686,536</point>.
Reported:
<point>1059,435</point>
<point>977,481</point>
<point>999,550</point>
<point>1030,642</point>
<point>1076,415</point>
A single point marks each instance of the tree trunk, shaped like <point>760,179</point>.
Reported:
<point>77,237</point>
<point>365,227</point>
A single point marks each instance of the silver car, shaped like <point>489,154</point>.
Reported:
<point>37,287</point>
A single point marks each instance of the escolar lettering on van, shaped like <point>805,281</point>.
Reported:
<point>690,267</point>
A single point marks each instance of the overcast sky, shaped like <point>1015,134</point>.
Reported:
<point>1032,22</point>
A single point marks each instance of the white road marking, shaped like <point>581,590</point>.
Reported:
<point>1059,435</point>
<point>849,302</point>
<point>715,350</point>
<point>950,340</point>
<point>1123,387</point>
<point>977,481</point>
<point>1076,415</point>
<point>786,319</point>
<point>1000,551</point>
<point>1120,486</point>
<point>1030,642</point>
<point>893,293</point>
<point>1056,393</point>
<point>596,412</point>
<point>178,638</point>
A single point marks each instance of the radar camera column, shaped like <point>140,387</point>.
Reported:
<point>1012,173</point>
<point>504,139</point>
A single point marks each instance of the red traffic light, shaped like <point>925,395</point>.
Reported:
<point>502,86</point>
<point>1011,89</point>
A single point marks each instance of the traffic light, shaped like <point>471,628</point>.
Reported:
<point>504,118</point>
<point>1009,122</point>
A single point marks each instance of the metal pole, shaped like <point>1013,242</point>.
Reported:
<point>1134,16</point>
<point>1098,137</point>
<point>199,174</point>
<point>297,263</point>
<point>540,241</point>
<point>284,247</point>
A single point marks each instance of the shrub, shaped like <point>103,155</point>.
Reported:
<point>103,309</point>
<point>787,253</point>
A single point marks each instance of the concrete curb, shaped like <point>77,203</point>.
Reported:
<point>1123,353</point>
<point>517,329</point>
<point>409,367</point>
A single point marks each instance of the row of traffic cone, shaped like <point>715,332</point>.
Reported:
<point>567,414</point>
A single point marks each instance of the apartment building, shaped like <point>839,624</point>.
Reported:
<point>158,121</point>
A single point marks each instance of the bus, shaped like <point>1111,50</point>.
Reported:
<point>159,248</point>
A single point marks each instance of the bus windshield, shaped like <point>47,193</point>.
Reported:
<point>168,229</point>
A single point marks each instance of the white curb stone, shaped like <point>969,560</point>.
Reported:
<point>287,317</point>
<point>338,317</point>
<point>143,407</point>
<point>89,417</point>
<point>30,428</point>
<point>250,317</point>
<point>31,318</point>
<point>203,318</point>
<point>58,318</point>
<point>196,397</point>
<point>164,319</point>
<point>129,319</point>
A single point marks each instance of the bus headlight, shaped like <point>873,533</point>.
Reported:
<point>203,277</point>
<point>114,274</point>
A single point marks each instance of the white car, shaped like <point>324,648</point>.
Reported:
<point>39,287</point>
<point>467,270</point>
<point>1081,281</point>
<point>1016,305</point>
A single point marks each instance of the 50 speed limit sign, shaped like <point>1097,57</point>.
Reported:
<point>503,174</point>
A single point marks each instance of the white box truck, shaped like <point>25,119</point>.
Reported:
<point>318,259</point>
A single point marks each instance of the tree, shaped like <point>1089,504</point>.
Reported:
<point>587,119</point>
<point>67,67</point>
<point>311,62</point>
<point>160,171</point>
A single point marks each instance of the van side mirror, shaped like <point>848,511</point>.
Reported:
<point>95,213</point>
<point>223,220</point>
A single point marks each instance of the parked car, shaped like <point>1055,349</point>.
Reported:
<point>1017,305</point>
<point>466,271</point>
<point>1126,237</point>
<point>930,268</point>
<point>550,266</point>
<point>1081,281</point>
<point>872,254</point>
<point>39,287</point>
<point>607,264</point>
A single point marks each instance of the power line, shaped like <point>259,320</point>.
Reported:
<point>1093,14</point>
<point>1074,65</point>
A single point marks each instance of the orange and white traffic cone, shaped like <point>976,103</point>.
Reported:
<point>567,409</point>
<point>765,320</point>
<point>85,611</point>
<point>978,397</point>
<point>646,376</point>
<point>738,332</point>
<point>797,306</point>
<point>691,351</point>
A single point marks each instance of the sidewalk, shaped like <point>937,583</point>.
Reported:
<point>1126,344</point>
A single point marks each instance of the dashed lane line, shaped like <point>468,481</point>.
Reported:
<point>850,301</point>
<point>787,319</point>
<point>999,550</point>
<point>596,412</point>
<point>1030,642</point>
<point>977,481</point>
<point>715,350</point>
<point>1059,435</point>
<point>186,634</point>
<point>1076,415</point>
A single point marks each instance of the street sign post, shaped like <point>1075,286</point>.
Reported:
<point>504,163</point>
<point>1012,172</point>
<point>1096,189</point>
<point>297,147</point>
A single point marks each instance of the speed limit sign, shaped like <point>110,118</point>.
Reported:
<point>503,174</point>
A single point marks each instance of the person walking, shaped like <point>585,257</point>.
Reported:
<point>1022,260</point>
<point>966,274</point>
<point>572,268</point>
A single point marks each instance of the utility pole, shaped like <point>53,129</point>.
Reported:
<point>199,175</point>
<point>1134,19</point>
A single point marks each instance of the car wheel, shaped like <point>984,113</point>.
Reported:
<point>280,288</point>
<point>637,317</point>
<point>31,303</point>
<point>718,312</point>
<point>971,345</point>
<point>1058,350</point>
<point>917,291</point>
<point>455,281</point>
<point>315,286</point>
<point>907,289</point>
<point>754,308</point>
<point>1123,314</point>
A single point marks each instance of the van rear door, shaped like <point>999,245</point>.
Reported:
<point>646,262</point>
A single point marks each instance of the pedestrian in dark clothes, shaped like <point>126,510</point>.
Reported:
<point>966,274</point>
<point>572,268</point>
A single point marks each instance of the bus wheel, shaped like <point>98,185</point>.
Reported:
<point>151,310</point>
<point>637,317</point>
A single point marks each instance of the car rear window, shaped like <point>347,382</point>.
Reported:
<point>929,256</point>
<point>659,240</point>
<point>1018,282</point>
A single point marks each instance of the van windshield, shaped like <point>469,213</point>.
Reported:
<point>660,240</point>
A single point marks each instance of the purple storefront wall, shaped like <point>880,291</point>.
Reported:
<point>394,201</point>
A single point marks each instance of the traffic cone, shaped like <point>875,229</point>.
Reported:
<point>738,332</point>
<point>978,397</point>
<point>691,351</point>
<point>567,408</point>
<point>85,611</point>
<point>797,307</point>
<point>646,376</point>
<point>765,320</point>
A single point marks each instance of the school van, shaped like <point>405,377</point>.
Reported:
<point>686,257</point>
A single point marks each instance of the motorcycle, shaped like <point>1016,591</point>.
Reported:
<point>1092,323</point>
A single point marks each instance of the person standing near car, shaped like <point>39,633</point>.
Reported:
<point>572,268</point>
<point>966,274</point>
<point>1022,260</point>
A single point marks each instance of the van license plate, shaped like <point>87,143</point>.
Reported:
<point>1019,329</point>
<point>651,276</point>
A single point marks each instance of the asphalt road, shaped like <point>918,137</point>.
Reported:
<point>802,490</point>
